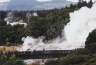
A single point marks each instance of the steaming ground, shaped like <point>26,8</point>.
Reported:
<point>82,22</point>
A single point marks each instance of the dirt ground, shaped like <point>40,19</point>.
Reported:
<point>8,48</point>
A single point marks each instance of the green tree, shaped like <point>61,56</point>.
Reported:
<point>4,60</point>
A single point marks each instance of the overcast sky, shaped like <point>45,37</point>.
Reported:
<point>31,4</point>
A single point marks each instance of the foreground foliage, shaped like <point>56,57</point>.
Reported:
<point>4,60</point>
<point>78,57</point>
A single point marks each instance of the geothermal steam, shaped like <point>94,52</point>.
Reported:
<point>10,20</point>
<point>82,22</point>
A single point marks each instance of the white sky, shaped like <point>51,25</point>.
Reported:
<point>44,0</point>
<point>1,1</point>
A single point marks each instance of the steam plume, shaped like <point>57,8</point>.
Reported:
<point>82,22</point>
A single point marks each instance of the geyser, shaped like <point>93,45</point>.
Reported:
<point>82,22</point>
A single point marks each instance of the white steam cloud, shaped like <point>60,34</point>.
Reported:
<point>10,20</point>
<point>82,22</point>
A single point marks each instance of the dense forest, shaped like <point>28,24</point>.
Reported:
<point>47,23</point>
